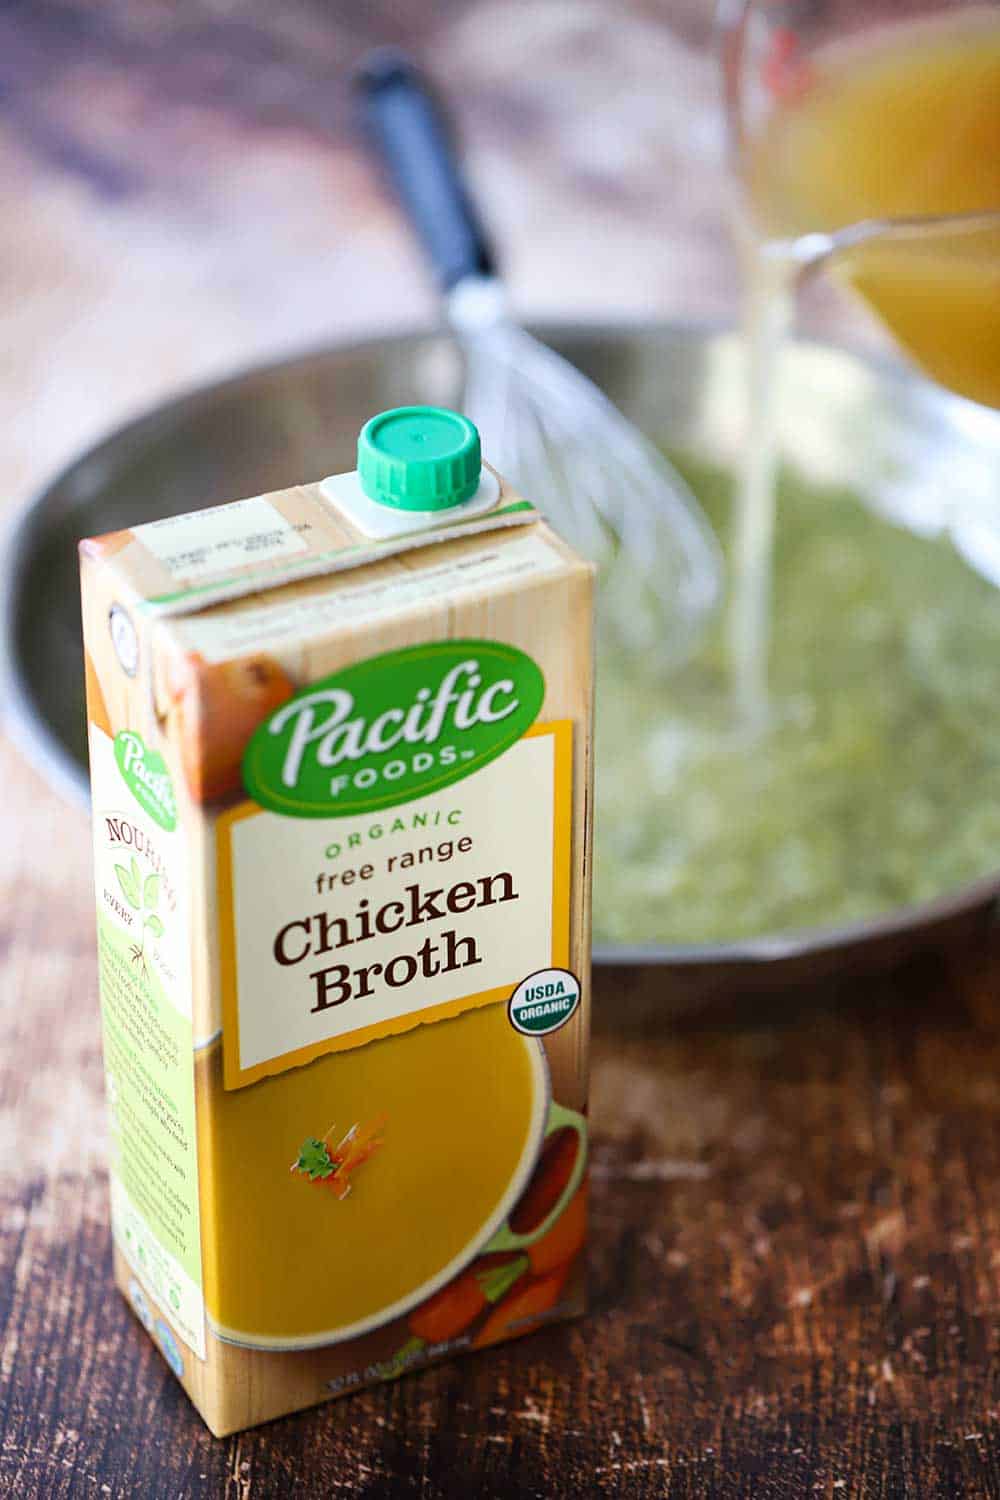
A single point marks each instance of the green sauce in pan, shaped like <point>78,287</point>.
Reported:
<point>877,784</point>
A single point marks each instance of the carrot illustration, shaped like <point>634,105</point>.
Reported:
<point>456,1306</point>
<point>331,1166</point>
<point>524,1309</point>
<point>565,1239</point>
<point>360,1142</point>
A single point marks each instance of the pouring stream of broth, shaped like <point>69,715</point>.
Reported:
<point>881,140</point>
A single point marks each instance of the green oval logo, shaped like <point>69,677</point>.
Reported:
<point>145,773</point>
<point>544,1001</point>
<point>392,728</point>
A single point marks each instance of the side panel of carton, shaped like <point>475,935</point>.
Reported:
<point>142,887</point>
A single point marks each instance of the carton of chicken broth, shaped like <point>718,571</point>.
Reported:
<point>340,746</point>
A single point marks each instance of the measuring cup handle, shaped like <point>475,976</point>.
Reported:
<point>408,127</point>
<point>559,1118</point>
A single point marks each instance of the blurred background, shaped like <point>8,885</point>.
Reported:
<point>188,193</point>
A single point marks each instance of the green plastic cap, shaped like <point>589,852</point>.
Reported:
<point>419,458</point>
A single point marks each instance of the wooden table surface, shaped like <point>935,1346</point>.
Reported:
<point>796,1226</point>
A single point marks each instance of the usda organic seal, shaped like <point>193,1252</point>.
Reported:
<point>544,1001</point>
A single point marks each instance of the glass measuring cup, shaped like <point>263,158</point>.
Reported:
<point>868,144</point>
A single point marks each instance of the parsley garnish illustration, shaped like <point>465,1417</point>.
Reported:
<point>314,1159</point>
<point>331,1166</point>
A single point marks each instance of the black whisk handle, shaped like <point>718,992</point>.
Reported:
<point>409,129</point>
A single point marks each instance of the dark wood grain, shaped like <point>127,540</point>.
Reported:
<point>796,1250</point>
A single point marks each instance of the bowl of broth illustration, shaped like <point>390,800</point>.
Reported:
<point>465,1108</point>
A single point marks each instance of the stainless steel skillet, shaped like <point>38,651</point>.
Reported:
<point>844,419</point>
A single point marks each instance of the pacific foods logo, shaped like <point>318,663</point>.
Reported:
<point>147,778</point>
<point>392,728</point>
